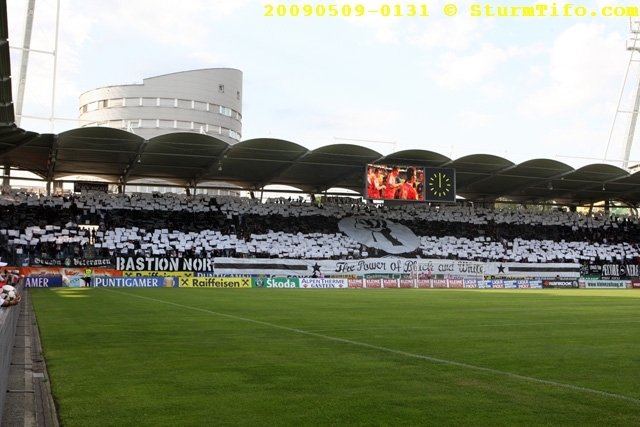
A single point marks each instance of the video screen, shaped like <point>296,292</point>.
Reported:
<point>394,182</point>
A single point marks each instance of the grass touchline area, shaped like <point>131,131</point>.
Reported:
<point>292,357</point>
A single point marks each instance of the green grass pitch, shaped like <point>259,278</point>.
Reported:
<point>297,357</point>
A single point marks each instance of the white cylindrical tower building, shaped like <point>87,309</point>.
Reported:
<point>207,101</point>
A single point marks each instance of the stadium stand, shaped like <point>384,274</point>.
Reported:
<point>104,225</point>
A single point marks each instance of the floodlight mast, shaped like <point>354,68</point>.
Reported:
<point>633,46</point>
<point>24,62</point>
<point>24,58</point>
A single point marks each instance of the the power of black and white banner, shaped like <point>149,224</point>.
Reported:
<point>348,268</point>
<point>380,234</point>
<point>422,268</point>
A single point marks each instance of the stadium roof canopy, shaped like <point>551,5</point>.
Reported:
<point>195,160</point>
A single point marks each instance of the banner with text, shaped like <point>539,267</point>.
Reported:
<point>605,284</point>
<point>72,262</point>
<point>214,282</point>
<point>357,268</point>
<point>134,282</point>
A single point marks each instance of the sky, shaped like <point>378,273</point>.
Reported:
<point>517,87</point>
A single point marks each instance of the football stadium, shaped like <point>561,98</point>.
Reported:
<point>408,289</point>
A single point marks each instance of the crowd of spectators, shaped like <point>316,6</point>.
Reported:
<point>101,225</point>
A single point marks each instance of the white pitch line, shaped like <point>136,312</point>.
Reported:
<point>475,326</point>
<point>404,353</point>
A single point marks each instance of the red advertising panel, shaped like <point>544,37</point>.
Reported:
<point>424,283</point>
<point>439,283</point>
<point>390,283</point>
<point>374,283</point>
<point>355,283</point>
<point>406,283</point>
<point>456,283</point>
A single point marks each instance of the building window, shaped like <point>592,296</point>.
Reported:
<point>238,94</point>
<point>92,106</point>
<point>167,124</point>
<point>149,123</point>
<point>184,125</point>
<point>115,102</point>
<point>132,102</point>
<point>233,134</point>
<point>166,102</point>
<point>225,111</point>
<point>201,106</point>
<point>184,103</point>
<point>83,109</point>
<point>221,88</point>
<point>103,103</point>
<point>149,102</point>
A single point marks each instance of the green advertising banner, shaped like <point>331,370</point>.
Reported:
<point>276,282</point>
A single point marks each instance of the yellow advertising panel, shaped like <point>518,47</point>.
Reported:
<point>215,282</point>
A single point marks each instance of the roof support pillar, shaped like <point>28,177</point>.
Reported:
<point>6,178</point>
